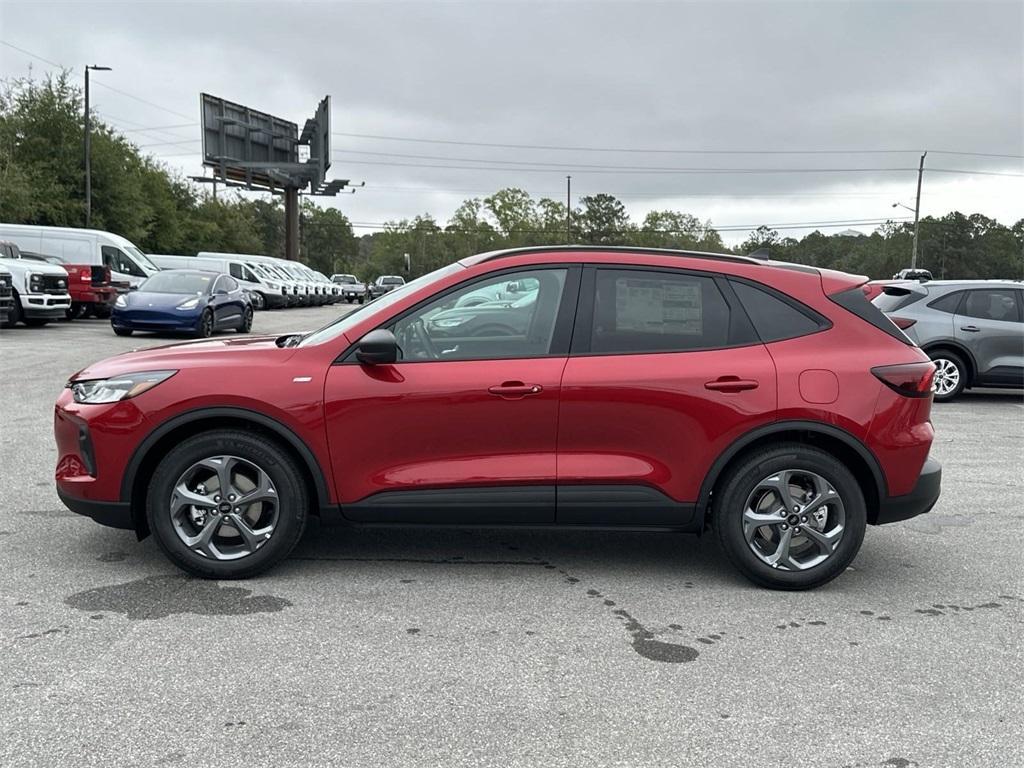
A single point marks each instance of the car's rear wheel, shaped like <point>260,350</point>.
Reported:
<point>227,504</point>
<point>950,375</point>
<point>790,516</point>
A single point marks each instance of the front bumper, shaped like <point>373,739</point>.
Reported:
<point>143,320</point>
<point>45,306</point>
<point>919,501</point>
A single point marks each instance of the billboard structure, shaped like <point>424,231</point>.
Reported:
<point>255,150</point>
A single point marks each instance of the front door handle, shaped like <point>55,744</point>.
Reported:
<point>970,328</point>
<point>730,384</point>
<point>515,389</point>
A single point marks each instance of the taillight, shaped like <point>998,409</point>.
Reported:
<point>908,379</point>
<point>902,322</point>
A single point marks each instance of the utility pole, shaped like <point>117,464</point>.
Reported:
<point>88,147</point>
<point>291,223</point>
<point>568,209</point>
<point>917,211</point>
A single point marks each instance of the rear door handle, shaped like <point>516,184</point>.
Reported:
<point>515,389</point>
<point>730,384</point>
<point>970,328</point>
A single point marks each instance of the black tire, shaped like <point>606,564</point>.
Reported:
<point>15,315</point>
<point>292,494</point>
<point>35,322</point>
<point>122,331</point>
<point>76,311</point>
<point>205,328</point>
<point>246,325</point>
<point>944,375</point>
<point>741,480</point>
<point>259,301</point>
<point>101,311</point>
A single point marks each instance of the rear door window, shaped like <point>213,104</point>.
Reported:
<point>647,311</point>
<point>992,304</point>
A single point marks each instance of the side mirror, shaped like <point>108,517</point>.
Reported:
<point>378,347</point>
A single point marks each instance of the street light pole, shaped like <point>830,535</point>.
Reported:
<point>917,211</point>
<point>568,209</point>
<point>88,148</point>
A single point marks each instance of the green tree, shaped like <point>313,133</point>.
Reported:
<point>602,219</point>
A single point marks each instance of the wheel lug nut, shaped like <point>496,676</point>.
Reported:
<point>238,509</point>
<point>804,519</point>
<point>216,498</point>
<point>796,530</point>
<point>785,527</point>
<point>796,508</point>
<point>231,497</point>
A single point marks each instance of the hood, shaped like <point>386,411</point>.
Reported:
<point>161,300</point>
<point>207,353</point>
<point>30,265</point>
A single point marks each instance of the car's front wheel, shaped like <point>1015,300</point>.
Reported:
<point>950,375</point>
<point>122,331</point>
<point>790,516</point>
<point>204,329</point>
<point>227,504</point>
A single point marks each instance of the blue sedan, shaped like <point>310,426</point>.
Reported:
<point>191,300</point>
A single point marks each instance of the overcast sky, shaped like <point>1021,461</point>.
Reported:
<point>734,78</point>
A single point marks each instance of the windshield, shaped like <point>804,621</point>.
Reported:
<point>178,281</point>
<point>142,259</point>
<point>344,323</point>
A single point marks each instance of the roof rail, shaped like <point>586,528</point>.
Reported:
<point>490,256</point>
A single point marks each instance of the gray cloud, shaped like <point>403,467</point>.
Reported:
<point>710,76</point>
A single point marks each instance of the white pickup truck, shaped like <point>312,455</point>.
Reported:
<point>40,290</point>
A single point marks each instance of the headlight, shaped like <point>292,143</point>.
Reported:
<point>273,286</point>
<point>121,301</point>
<point>189,304</point>
<point>117,388</point>
<point>35,282</point>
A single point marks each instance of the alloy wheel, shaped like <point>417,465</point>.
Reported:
<point>224,507</point>
<point>947,376</point>
<point>793,520</point>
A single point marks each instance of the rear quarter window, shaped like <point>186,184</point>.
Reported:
<point>894,298</point>
<point>775,318</point>
<point>947,303</point>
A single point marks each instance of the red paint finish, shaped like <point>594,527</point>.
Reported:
<point>659,420</point>
<point>650,419</point>
<point>437,424</point>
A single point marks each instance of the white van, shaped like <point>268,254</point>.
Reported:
<point>301,291</point>
<point>266,292</point>
<point>84,246</point>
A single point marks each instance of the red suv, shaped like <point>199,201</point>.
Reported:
<point>559,386</point>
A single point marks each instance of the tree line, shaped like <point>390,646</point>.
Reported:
<point>134,195</point>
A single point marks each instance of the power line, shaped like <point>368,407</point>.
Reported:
<point>626,170</point>
<point>558,148</point>
<point>160,128</point>
<point>100,84</point>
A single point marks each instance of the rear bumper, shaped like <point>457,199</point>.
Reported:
<point>114,514</point>
<point>919,501</point>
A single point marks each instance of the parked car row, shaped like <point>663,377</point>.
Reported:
<point>353,289</point>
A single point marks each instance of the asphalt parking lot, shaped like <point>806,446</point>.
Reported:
<point>406,647</point>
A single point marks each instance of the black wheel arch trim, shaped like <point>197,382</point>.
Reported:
<point>779,427</point>
<point>955,346</point>
<point>323,496</point>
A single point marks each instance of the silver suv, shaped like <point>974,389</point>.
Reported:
<point>972,329</point>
